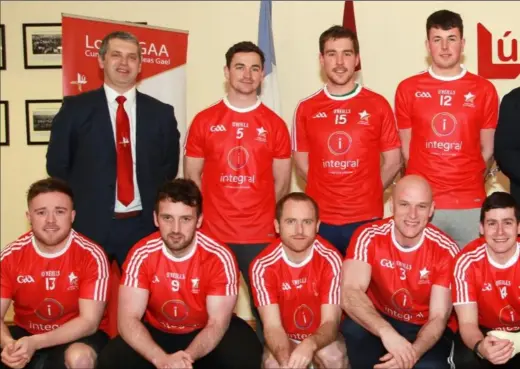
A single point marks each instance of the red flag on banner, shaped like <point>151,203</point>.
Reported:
<point>349,20</point>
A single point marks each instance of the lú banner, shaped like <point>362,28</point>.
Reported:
<point>498,56</point>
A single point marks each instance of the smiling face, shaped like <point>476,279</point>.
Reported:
<point>298,225</point>
<point>339,61</point>
<point>445,48</point>
<point>121,64</point>
<point>500,229</point>
<point>245,73</point>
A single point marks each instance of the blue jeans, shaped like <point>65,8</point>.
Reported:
<point>339,235</point>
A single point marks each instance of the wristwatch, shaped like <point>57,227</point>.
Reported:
<point>476,351</point>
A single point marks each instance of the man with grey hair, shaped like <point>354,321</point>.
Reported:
<point>115,146</point>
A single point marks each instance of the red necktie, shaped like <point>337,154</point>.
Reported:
<point>125,176</point>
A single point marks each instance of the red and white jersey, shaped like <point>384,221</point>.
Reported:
<point>178,287</point>
<point>446,116</point>
<point>493,287</point>
<point>344,137</point>
<point>402,278</point>
<point>298,289</point>
<point>46,288</point>
<point>238,147</point>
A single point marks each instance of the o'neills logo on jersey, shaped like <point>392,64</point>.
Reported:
<point>444,125</point>
<point>503,48</point>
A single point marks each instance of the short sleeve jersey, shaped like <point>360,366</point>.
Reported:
<point>493,287</point>
<point>238,147</point>
<point>46,288</point>
<point>178,287</point>
<point>402,278</point>
<point>446,116</point>
<point>298,289</point>
<point>344,137</point>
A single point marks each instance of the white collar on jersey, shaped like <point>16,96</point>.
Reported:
<point>47,255</point>
<point>509,263</point>
<point>242,110</point>
<point>447,79</point>
<point>167,253</point>
<point>405,249</point>
<point>297,265</point>
<point>348,96</point>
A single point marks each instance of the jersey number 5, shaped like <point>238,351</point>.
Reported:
<point>240,133</point>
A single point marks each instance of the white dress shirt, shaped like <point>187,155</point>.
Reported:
<point>130,108</point>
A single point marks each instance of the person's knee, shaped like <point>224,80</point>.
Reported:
<point>80,356</point>
<point>269,361</point>
<point>333,356</point>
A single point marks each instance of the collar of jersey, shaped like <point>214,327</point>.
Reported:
<point>52,255</point>
<point>405,249</point>
<point>185,257</point>
<point>509,263</point>
<point>293,264</point>
<point>348,96</point>
<point>447,79</point>
<point>242,110</point>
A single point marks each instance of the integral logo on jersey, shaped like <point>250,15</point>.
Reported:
<point>303,317</point>
<point>175,310</point>
<point>217,128</point>
<point>320,115</point>
<point>469,100</point>
<point>423,94</point>
<point>508,315</point>
<point>444,125</point>
<point>363,118</point>
<point>339,143</point>
<point>238,157</point>
<point>24,279</point>
<point>262,134</point>
<point>49,309</point>
<point>402,300</point>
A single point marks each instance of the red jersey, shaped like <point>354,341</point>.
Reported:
<point>178,287</point>
<point>402,278</point>
<point>238,147</point>
<point>493,287</point>
<point>446,116</point>
<point>298,289</point>
<point>344,137</point>
<point>46,288</point>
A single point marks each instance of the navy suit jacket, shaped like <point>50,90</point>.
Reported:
<point>82,152</point>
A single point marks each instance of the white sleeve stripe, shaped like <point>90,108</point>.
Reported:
<point>258,271</point>
<point>363,241</point>
<point>460,269</point>
<point>12,248</point>
<point>101,286</point>
<point>225,258</point>
<point>134,264</point>
<point>335,262</point>
<point>442,241</point>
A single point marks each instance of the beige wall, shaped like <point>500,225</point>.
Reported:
<point>392,47</point>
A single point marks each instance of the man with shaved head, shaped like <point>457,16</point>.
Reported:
<point>396,286</point>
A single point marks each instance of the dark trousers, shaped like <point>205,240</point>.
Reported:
<point>123,235</point>
<point>54,357</point>
<point>465,358</point>
<point>245,255</point>
<point>339,235</point>
<point>239,348</point>
<point>365,349</point>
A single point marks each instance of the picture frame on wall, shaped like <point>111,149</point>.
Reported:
<point>42,45</point>
<point>4,123</point>
<point>39,115</point>
<point>3,61</point>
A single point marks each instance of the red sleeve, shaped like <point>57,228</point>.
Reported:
<point>403,107</point>
<point>223,276</point>
<point>360,245</point>
<point>389,138</point>
<point>299,133</point>
<point>135,268</point>
<point>490,108</point>
<point>282,141</point>
<point>443,270</point>
<point>195,139</point>
<point>6,283</point>
<point>463,288</point>
<point>263,284</point>
<point>331,278</point>
<point>93,285</point>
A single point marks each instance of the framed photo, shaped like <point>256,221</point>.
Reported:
<point>42,45</point>
<point>39,115</point>
<point>2,47</point>
<point>4,123</point>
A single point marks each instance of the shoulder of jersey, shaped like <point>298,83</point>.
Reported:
<point>274,245</point>
<point>270,113</point>
<point>151,243</point>
<point>209,111</point>
<point>472,246</point>
<point>211,244</point>
<point>19,244</point>
<point>308,99</point>
<point>80,237</point>
<point>410,81</point>
<point>368,93</point>
<point>481,81</point>
<point>442,239</point>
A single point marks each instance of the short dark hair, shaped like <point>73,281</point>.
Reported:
<point>445,20</point>
<point>244,47</point>
<point>49,185</point>
<point>295,196</point>
<point>499,200</point>
<point>120,35</point>
<point>336,32</point>
<point>180,190</point>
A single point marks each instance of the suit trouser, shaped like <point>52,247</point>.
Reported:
<point>123,235</point>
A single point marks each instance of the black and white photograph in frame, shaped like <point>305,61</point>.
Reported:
<point>4,123</point>
<point>39,115</point>
<point>42,45</point>
<point>2,47</point>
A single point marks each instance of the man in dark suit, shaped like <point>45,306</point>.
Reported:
<point>507,140</point>
<point>115,146</point>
